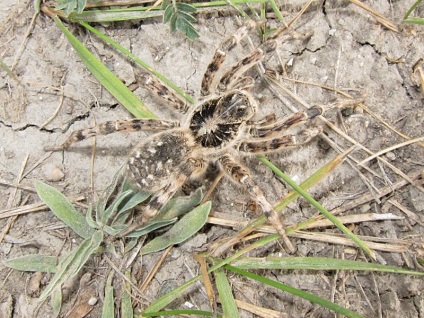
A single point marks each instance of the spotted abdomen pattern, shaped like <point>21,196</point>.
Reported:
<point>155,162</point>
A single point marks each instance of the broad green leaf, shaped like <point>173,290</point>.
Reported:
<point>71,5</point>
<point>169,11</point>
<point>186,27</point>
<point>126,300</point>
<point>150,227</point>
<point>108,310</point>
<point>63,209</point>
<point>114,206</point>
<point>173,23</point>
<point>180,205</point>
<point>135,199</point>
<point>164,4</point>
<point>89,219</point>
<point>187,16</point>
<point>185,7</point>
<point>191,32</point>
<point>73,262</point>
<point>33,263</point>
<point>226,298</point>
<point>168,214</point>
<point>189,224</point>
<point>56,301</point>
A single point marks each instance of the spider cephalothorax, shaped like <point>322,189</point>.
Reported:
<point>220,129</point>
<point>219,121</point>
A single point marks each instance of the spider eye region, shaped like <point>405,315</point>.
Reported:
<point>236,106</point>
<point>218,121</point>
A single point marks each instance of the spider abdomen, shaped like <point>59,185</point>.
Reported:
<point>157,160</point>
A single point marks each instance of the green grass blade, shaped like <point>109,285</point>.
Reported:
<point>319,175</point>
<point>115,15</point>
<point>106,77</point>
<point>314,203</point>
<point>147,67</point>
<point>146,12</point>
<point>179,313</point>
<point>414,20</point>
<point>276,10</point>
<point>166,299</point>
<point>291,196</point>
<point>412,8</point>
<point>228,303</point>
<point>63,209</point>
<point>297,292</point>
<point>317,263</point>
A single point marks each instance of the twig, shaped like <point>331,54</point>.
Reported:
<point>155,268</point>
<point>26,36</point>
<point>381,152</point>
<point>58,108</point>
<point>369,197</point>
<point>379,17</point>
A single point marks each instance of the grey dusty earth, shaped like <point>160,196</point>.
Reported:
<point>334,44</point>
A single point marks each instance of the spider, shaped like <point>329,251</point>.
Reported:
<point>219,129</point>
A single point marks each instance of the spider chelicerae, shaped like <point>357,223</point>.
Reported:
<point>219,129</point>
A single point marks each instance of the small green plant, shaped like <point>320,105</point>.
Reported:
<point>108,219</point>
<point>416,20</point>
<point>71,5</point>
<point>180,17</point>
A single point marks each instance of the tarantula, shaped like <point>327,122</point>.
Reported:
<point>219,129</point>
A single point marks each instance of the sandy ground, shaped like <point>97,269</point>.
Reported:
<point>334,44</point>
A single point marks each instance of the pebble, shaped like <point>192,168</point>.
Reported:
<point>52,173</point>
<point>92,301</point>
<point>391,156</point>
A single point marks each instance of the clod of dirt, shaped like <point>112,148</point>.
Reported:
<point>52,173</point>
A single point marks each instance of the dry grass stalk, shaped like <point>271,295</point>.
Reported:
<point>380,18</point>
<point>367,197</point>
<point>409,213</point>
<point>334,239</point>
<point>259,311</point>
<point>155,268</point>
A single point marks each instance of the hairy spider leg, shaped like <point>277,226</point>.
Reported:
<point>241,175</point>
<point>260,130</point>
<point>264,121</point>
<point>235,72</point>
<point>164,92</point>
<point>109,127</point>
<point>271,145</point>
<point>221,53</point>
